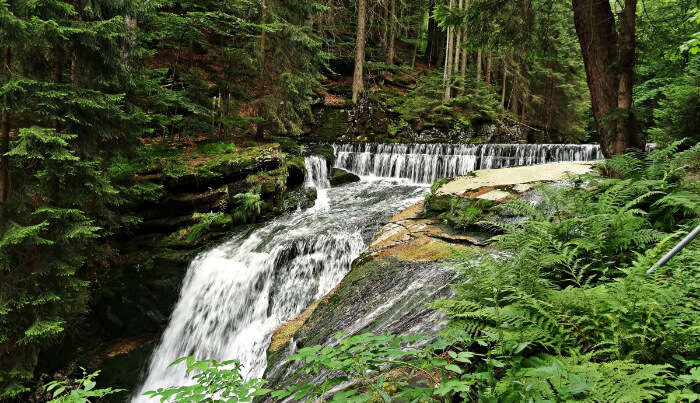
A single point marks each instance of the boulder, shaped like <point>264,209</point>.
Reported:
<point>340,177</point>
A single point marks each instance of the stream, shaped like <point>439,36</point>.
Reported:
<point>236,294</point>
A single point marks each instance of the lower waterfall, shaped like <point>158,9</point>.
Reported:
<point>235,295</point>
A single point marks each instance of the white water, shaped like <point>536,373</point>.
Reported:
<point>235,295</point>
<point>424,163</point>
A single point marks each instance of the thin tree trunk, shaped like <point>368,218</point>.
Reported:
<point>628,133</point>
<point>478,65</point>
<point>385,30</point>
<point>609,63</point>
<point>463,69</point>
<point>419,39</point>
<point>458,44</point>
<point>488,68</point>
<point>505,83</point>
<point>357,82</point>
<point>392,34</point>
<point>448,59</point>
<point>5,139</point>
<point>263,34</point>
<point>514,96</point>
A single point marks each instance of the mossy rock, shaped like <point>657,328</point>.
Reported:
<point>296,171</point>
<point>301,198</point>
<point>439,203</point>
<point>331,125</point>
<point>340,177</point>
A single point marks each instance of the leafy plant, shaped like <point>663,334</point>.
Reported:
<point>80,391</point>
<point>216,382</point>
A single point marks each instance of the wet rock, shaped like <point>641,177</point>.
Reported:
<point>341,177</point>
<point>301,198</point>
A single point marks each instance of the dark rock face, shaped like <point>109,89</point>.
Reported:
<point>371,121</point>
<point>382,296</point>
<point>341,177</point>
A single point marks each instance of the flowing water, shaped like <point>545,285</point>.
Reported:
<point>235,295</point>
<point>424,163</point>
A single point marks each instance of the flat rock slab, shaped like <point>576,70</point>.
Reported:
<point>407,236</point>
<point>518,176</point>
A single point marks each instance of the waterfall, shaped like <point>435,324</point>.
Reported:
<point>316,172</point>
<point>317,177</point>
<point>424,163</point>
<point>235,295</point>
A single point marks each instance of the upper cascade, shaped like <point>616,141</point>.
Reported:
<point>424,163</point>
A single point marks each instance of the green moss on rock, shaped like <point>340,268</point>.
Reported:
<point>340,177</point>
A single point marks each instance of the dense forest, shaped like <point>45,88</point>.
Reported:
<point>136,134</point>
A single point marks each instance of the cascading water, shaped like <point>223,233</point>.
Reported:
<point>235,295</point>
<point>424,163</point>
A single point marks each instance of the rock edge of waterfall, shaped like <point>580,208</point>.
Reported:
<point>390,284</point>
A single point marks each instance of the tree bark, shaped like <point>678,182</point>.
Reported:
<point>448,59</point>
<point>505,83</point>
<point>458,44</point>
<point>419,38</point>
<point>436,41</point>
<point>5,139</point>
<point>609,63</point>
<point>357,82</point>
<point>385,30</point>
<point>391,53</point>
<point>488,68</point>
<point>263,34</point>
<point>478,65</point>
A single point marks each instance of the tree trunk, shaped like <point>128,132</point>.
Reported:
<point>478,65</point>
<point>488,68</point>
<point>385,30</point>
<point>458,44</point>
<point>448,59</point>
<point>609,64</point>
<point>5,139</point>
<point>505,83</point>
<point>514,95</point>
<point>419,39</point>
<point>390,54</point>
<point>263,34</point>
<point>434,47</point>
<point>357,82</point>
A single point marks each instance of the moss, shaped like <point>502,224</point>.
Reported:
<point>438,203</point>
<point>296,171</point>
<point>331,125</point>
<point>216,148</point>
<point>341,177</point>
<point>288,145</point>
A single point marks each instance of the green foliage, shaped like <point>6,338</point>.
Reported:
<point>247,206</point>
<point>216,382</point>
<point>44,238</point>
<point>666,89</point>
<point>199,229</point>
<point>80,391</point>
